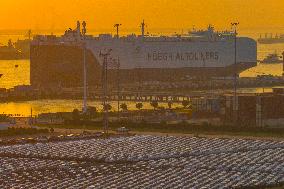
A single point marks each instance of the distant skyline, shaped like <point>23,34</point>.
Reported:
<point>55,15</point>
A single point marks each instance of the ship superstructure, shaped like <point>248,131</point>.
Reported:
<point>9,52</point>
<point>272,58</point>
<point>205,53</point>
<point>270,39</point>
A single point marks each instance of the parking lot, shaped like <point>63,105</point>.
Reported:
<point>143,162</point>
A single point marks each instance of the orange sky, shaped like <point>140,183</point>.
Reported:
<point>101,14</point>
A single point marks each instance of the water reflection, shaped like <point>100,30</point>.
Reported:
<point>50,106</point>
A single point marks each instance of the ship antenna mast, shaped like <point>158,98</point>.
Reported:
<point>143,29</point>
<point>117,30</point>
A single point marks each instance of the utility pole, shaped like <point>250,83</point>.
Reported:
<point>235,25</point>
<point>105,56</point>
<point>117,30</point>
<point>85,67</point>
<point>31,119</point>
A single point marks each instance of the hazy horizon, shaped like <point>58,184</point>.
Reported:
<point>22,33</point>
<point>102,14</point>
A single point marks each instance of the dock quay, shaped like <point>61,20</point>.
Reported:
<point>144,91</point>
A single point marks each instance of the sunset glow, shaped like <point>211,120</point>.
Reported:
<point>101,14</point>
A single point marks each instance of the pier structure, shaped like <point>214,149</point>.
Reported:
<point>147,97</point>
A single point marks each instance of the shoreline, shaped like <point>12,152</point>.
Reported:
<point>223,136</point>
<point>279,136</point>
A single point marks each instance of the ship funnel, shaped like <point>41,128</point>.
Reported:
<point>78,28</point>
<point>84,30</point>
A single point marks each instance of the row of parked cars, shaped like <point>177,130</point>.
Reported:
<point>144,162</point>
<point>51,138</point>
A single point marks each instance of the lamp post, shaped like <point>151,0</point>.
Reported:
<point>105,56</point>
<point>118,89</point>
<point>85,67</point>
<point>235,25</point>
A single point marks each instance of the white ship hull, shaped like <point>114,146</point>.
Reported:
<point>176,54</point>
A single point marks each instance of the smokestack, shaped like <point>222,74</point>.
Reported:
<point>78,28</point>
<point>84,30</point>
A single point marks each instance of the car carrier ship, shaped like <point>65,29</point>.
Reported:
<point>58,61</point>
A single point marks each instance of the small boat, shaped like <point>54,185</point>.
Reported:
<point>272,59</point>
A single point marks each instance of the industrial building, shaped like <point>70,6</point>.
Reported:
<point>262,109</point>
